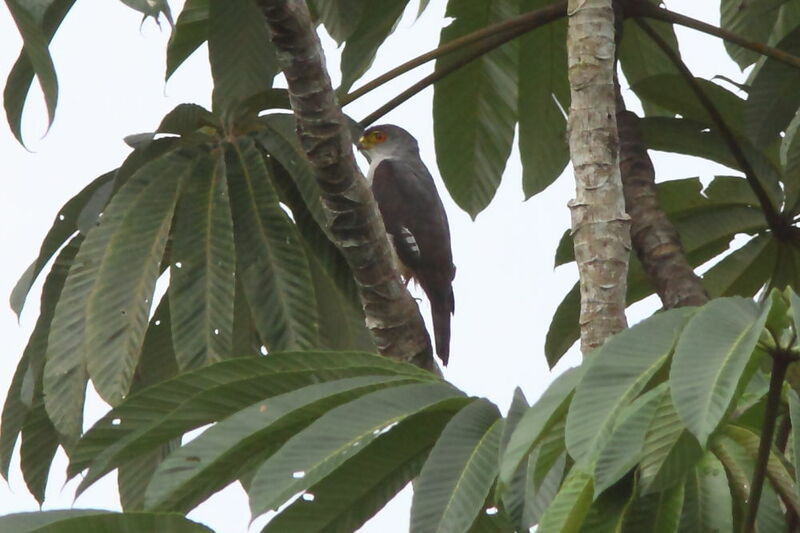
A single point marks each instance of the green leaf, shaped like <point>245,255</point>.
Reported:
<point>269,254</point>
<point>90,201</point>
<point>338,435</point>
<point>709,360</point>
<point>744,271</point>
<point>669,451</point>
<point>460,471</point>
<point>193,399</point>
<point>544,490</point>
<point>655,513</point>
<point>242,57</point>
<point>377,20</point>
<point>475,108</point>
<point>233,445</point>
<point>185,119</point>
<point>790,160</point>
<point>39,445</point>
<point>640,57</point>
<point>35,58</point>
<point>341,17</point>
<point>354,492</point>
<point>753,21</point>
<point>97,521</point>
<point>202,269</point>
<point>189,32</point>
<point>519,406</point>
<point>133,238</point>
<point>774,96</point>
<point>570,506</point>
<point>542,81</point>
<point>794,413</point>
<point>65,372</point>
<point>616,373</point>
<point>537,421</point>
<point>623,448</point>
<point>14,413</point>
<point>707,498</point>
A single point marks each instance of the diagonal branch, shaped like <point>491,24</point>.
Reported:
<point>357,229</point>
<point>654,238</point>
<point>771,214</point>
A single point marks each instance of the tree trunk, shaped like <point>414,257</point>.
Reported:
<point>392,315</point>
<point>600,225</point>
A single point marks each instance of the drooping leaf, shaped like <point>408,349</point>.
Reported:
<point>92,198</point>
<point>39,445</point>
<point>616,373</point>
<point>236,444</point>
<point>190,31</point>
<point>98,521</point>
<point>37,23</point>
<point>709,360</point>
<point>659,512</point>
<point>65,371</point>
<point>202,269</point>
<point>348,497</point>
<point>242,58</point>
<point>340,18</point>
<point>338,435</point>
<point>744,271</point>
<point>543,95</point>
<point>475,108</point>
<point>537,421</point>
<point>707,498</point>
<point>774,95</point>
<point>753,21</point>
<point>190,400</point>
<point>669,451</point>
<point>460,470</point>
<point>570,506</point>
<point>14,413</point>
<point>270,257</point>
<point>376,21</point>
<point>118,306</point>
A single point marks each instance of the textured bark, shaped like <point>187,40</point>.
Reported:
<point>600,225</point>
<point>392,315</point>
<point>654,238</point>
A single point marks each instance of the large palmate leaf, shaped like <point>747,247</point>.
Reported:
<point>270,257</point>
<point>543,97</point>
<point>343,500</point>
<point>85,205</point>
<point>203,267</point>
<point>377,20</point>
<point>238,443</point>
<point>37,23</point>
<point>120,259</point>
<point>475,108</point>
<point>242,58</point>
<point>169,409</point>
<point>617,372</point>
<point>189,32</point>
<point>462,467</point>
<point>97,521</point>
<point>709,360</point>
<point>338,435</point>
<point>753,21</point>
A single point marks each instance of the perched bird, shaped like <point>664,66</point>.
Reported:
<point>415,220</point>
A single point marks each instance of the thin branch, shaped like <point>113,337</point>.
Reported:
<point>514,26</point>
<point>779,366</point>
<point>356,227</point>
<point>646,9</point>
<point>774,220</point>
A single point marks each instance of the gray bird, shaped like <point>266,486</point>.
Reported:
<point>415,220</point>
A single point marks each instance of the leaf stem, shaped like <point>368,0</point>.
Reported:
<point>514,27</point>
<point>779,365</point>
<point>646,9</point>
<point>774,220</point>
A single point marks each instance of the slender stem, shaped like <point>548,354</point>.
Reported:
<point>525,22</point>
<point>773,218</point>
<point>646,9</point>
<point>779,365</point>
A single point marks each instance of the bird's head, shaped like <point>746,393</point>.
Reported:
<point>386,140</point>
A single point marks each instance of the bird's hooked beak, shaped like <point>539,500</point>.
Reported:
<point>364,146</point>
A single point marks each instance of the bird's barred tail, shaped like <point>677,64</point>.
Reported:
<point>441,309</point>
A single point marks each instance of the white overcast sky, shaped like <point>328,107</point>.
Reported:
<point>111,85</point>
